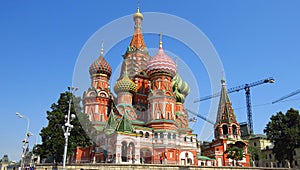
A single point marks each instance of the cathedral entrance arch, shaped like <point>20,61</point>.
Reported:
<point>124,152</point>
<point>146,156</point>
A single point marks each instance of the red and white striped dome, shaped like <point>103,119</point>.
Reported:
<point>161,64</point>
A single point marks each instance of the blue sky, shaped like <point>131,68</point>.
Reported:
<point>40,43</point>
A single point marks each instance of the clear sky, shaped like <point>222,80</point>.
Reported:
<point>40,42</point>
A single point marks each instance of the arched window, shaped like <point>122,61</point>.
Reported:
<point>185,138</point>
<point>141,133</point>
<point>169,135</point>
<point>124,152</point>
<point>225,130</point>
<point>155,135</point>
<point>191,139</point>
<point>234,130</point>
<point>146,135</point>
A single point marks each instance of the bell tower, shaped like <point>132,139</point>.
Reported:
<point>226,125</point>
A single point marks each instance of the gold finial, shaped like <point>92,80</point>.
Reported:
<point>223,78</point>
<point>102,48</point>
<point>160,40</point>
<point>138,14</point>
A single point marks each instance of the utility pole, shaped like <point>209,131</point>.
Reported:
<point>25,141</point>
<point>67,127</point>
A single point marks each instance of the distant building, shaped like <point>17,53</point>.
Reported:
<point>263,156</point>
<point>227,134</point>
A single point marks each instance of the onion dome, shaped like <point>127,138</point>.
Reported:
<point>182,86</point>
<point>100,66</point>
<point>179,96</point>
<point>161,64</point>
<point>138,14</point>
<point>124,84</point>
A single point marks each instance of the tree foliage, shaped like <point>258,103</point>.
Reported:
<point>235,153</point>
<point>284,131</point>
<point>53,140</point>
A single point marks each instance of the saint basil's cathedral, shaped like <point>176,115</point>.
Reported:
<point>146,122</point>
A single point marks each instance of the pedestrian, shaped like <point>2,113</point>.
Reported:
<point>161,159</point>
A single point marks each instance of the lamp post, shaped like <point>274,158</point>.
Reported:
<point>67,127</point>
<point>25,141</point>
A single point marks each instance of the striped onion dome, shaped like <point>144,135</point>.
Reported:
<point>161,64</point>
<point>100,66</point>
<point>124,84</point>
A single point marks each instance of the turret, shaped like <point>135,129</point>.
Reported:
<point>226,125</point>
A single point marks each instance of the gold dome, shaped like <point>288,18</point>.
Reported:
<point>138,14</point>
<point>124,84</point>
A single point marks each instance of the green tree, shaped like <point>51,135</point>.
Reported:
<point>255,154</point>
<point>235,153</point>
<point>53,140</point>
<point>284,131</point>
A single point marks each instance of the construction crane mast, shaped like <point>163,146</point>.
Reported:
<point>286,96</point>
<point>245,87</point>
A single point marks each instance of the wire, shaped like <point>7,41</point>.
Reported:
<point>257,105</point>
<point>288,100</point>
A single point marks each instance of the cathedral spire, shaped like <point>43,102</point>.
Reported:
<point>137,41</point>
<point>160,40</point>
<point>226,125</point>
<point>102,48</point>
<point>225,111</point>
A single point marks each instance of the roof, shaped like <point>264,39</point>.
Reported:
<point>259,136</point>
<point>200,157</point>
<point>125,125</point>
<point>225,110</point>
<point>111,122</point>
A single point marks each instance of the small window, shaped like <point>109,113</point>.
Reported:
<point>174,136</point>
<point>101,117</point>
<point>270,156</point>
<point>146,135</point>
<point>295,153</point>
<point>296,163</point>
<point>169,135</point>
<point>185,138</point>
<point>141,134</point>
<point>161,135</point>
<point>191,139</point>
<point>155,135</point>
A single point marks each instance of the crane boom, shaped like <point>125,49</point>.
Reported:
<point>200,116</point>
<point>286,96</point>
<point>245,87</point>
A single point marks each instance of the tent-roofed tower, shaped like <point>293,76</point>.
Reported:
<point>226,125</point>
<point>136,55</point>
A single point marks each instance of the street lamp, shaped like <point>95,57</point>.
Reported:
<point>67,127</point>
<point>25,141</point>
